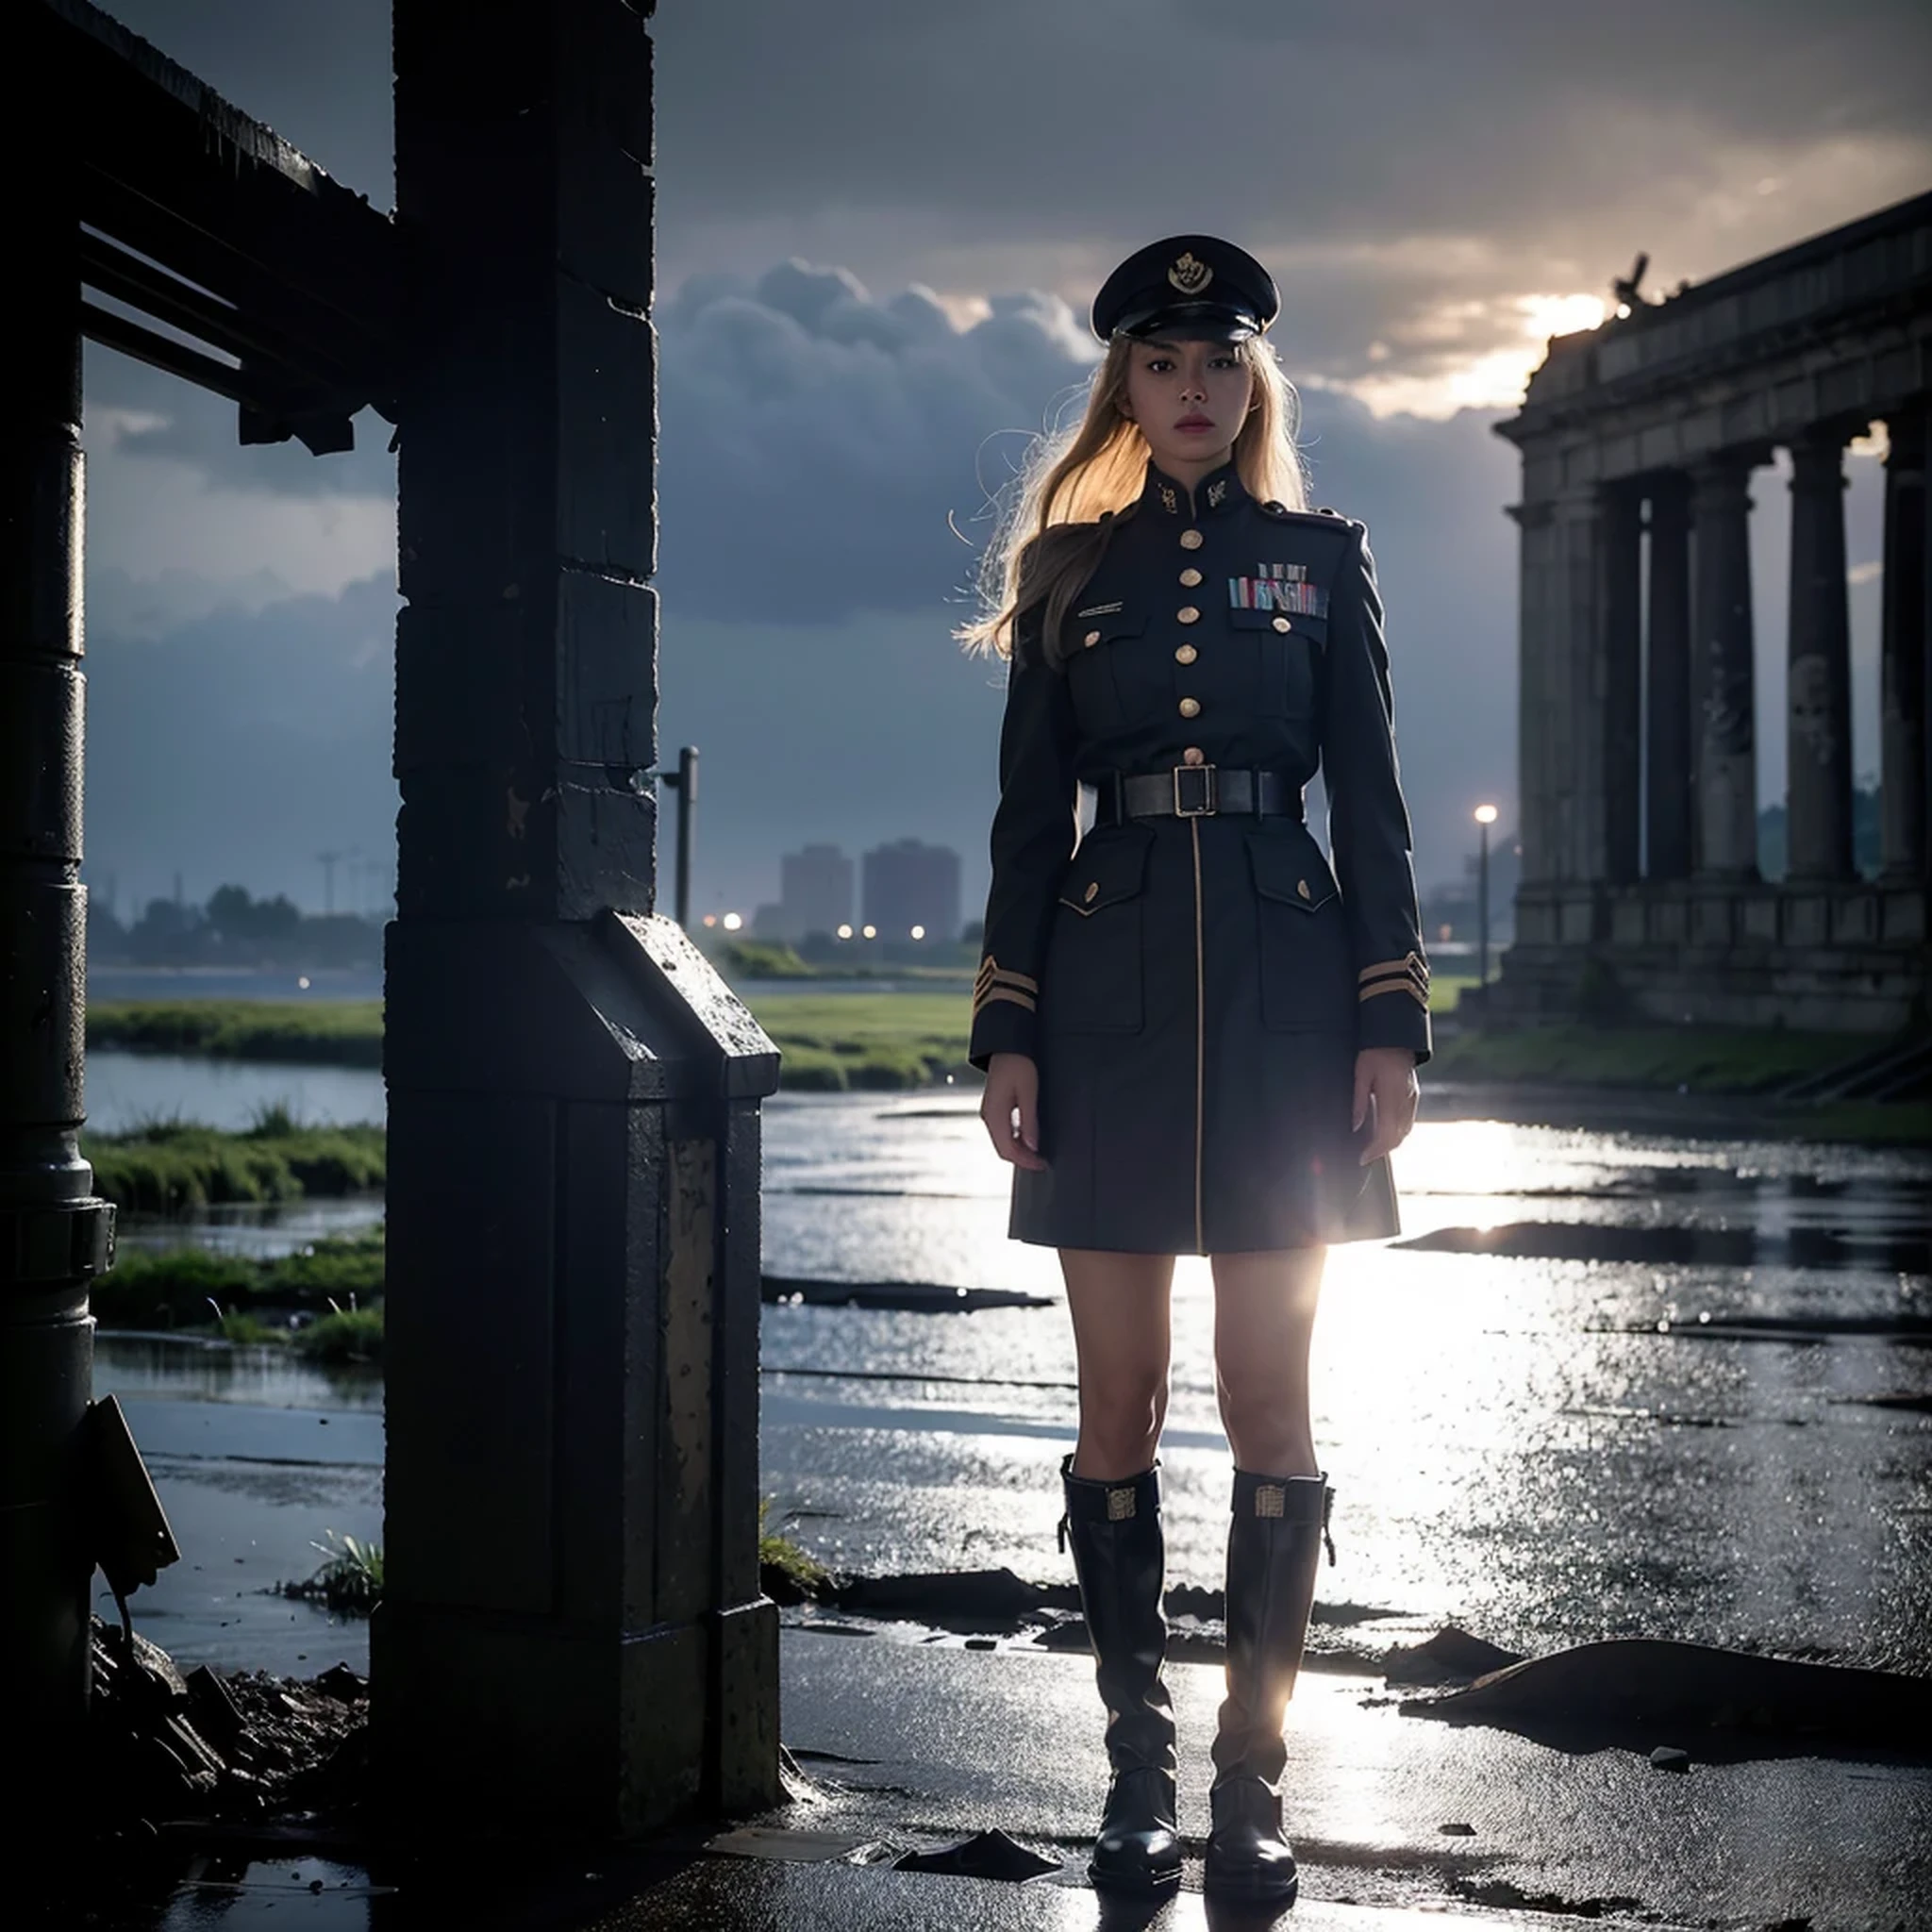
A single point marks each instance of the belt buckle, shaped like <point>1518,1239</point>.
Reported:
<point>1209,803</point>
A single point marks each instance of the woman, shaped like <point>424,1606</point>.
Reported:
<point>1197,1037</point>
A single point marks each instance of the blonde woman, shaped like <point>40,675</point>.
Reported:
<point>1198,1038</point>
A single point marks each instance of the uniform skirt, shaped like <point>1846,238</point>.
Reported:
<point>1196,1049</point>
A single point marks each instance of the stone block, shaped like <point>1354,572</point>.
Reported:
<point>1854,917</point>
<point>471,1321</point>
<point>1756,918</point>
<point>1806,919</point>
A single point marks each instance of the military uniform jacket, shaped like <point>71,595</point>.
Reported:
<point>1195,990</point>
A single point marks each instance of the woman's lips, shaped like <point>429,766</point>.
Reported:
<point>1195,422</point>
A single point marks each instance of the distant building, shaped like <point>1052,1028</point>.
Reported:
<point>815,892</point>
<point>909,886</point>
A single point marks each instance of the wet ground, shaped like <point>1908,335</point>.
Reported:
<point>1614,1382</point>
<point>1604,1384</point>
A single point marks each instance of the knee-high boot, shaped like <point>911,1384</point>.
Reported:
<point>1119,1557</point>
<point>1273,1548</point>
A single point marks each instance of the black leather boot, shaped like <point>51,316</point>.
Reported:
<point>1273,1548</point>
<point>1119,1557</point>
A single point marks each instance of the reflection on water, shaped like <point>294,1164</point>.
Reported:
<point>1545,1442</point>
<point>127,1090</point>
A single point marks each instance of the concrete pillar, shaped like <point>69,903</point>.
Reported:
<point>1668,788</point>
<point>1539,737</point>
<point>1903,782</point>
<point>1726,762</point>
<point>1819,691</point>
<point>55,1233</point>
<point>573,1638</point>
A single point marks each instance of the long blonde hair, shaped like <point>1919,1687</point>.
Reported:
<point>1077,485</point>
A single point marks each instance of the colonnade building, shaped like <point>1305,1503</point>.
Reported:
<point>1638,764</point>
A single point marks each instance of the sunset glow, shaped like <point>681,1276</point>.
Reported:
<point>1493,378</point>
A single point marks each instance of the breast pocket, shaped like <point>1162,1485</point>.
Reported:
<point>1094,977</point>
<point>1302,938</point>
<point>1093,642</point>
<point>1282,666</point>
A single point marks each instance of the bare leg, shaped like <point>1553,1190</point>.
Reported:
<point>1120,1308</point>
<point>1113,1529</point>
<point>1264,1316</point>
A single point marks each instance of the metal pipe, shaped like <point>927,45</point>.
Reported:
<point>54,1232</point>
<point>687,812</point>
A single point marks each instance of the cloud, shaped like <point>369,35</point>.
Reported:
<point>235,746</point>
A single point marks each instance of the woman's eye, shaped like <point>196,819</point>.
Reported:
<point>1159,366</point>
<point>1223,363</point>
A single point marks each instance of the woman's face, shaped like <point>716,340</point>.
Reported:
<point>1189,400</point>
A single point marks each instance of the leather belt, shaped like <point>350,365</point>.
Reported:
<point>1194,791</point>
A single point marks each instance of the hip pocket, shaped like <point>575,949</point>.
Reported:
<point>1094,978</point>
<point>1302,938</point>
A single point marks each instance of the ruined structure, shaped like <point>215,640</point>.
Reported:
<point>574,1636</point>
<point>1641,890</point>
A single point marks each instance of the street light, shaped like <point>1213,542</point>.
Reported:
<point>1485,817</point>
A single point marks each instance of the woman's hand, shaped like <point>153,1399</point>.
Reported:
<point>1385,1079</point>
<point>1010,1108</point>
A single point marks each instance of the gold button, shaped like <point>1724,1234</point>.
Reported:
<point>1301,886</point>
<point>1186,655</point>
<point>1188,614</point>
<point>1092,891</point>
<point>1193,756</point>
<point>1092,638</point>
<point>1191,540</point>
<point>1282,624</point>
<point>1191,576</point>
<point>1190,707</point>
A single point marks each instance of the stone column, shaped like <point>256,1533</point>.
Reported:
<point>1538,734</point>
<point>571,1638</point>
<point>1590,663</point>
<point>1727,765</point>
<point>1668,790</point>
<point>1818,693</point>
<point>1902,802</point>
<point>1613,702</point>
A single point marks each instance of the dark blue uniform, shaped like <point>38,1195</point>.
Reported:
<point>1195,989</point>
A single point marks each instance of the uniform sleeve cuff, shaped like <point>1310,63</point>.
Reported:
<point>1393,1004</point>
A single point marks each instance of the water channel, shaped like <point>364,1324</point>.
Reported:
<point>1605,1383</point>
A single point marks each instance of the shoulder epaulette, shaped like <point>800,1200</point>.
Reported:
<point>1322,514</point>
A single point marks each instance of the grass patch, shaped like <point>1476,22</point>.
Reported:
<point>343,1336</point>
<point>349,1581</point>
<point>785,1573</point>
<point>884,1040</point>
<point>336,1033</point>
<point>172,1287</point>
<point>168,1165</point>
<point>1699,1059</point>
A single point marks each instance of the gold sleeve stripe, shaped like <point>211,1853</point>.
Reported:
<point>990,971</point>
<point>1415,992</point>
<point>1005,993</point>
<point>1408,977</point>
<point>1409,962</point>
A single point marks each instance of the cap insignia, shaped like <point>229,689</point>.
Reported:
<point>1190,274</point>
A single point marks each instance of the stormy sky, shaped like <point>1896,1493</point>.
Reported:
<point>879,227</point>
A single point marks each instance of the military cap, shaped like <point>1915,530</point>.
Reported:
<point>1187,287</point>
